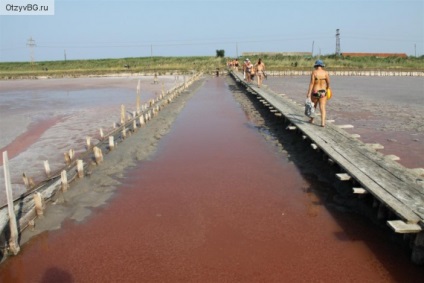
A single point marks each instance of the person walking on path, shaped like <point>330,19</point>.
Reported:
<point>320,82</point>
<point>249,70</point>
<point>245,69</point>
<point>260,71</point>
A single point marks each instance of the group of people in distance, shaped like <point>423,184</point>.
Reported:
<point>250,71</point>
<point>318,87</point>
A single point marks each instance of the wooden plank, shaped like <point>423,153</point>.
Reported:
<point>345,126</point>
<point>401,227</point>
<point>388,190</point>
<point>418,171</point>
<point>359,191</point>
<point>13,240</point>
<point>343,176</point>
<point>393,157</point>
<point>375,145</point>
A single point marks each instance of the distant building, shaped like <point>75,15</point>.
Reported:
<point>302,54</point>
<point>379,55</point>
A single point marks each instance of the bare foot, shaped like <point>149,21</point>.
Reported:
<point>311,120</point>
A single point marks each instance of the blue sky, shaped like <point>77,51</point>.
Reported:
<point>116,29</point>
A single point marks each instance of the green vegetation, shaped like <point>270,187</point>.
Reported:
<point>278,62</point>
<point>75,68</point>
<point>220,53</point>
<point>161,65</point>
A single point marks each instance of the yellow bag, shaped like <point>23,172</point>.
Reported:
<point>329,94</point>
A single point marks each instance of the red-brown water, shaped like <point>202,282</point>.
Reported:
<point>216,204</point>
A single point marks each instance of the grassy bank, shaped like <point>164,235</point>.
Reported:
<point>75,68</point>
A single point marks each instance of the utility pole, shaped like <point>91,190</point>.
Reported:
<point>337,42</point>
<point>313,49</point>
<point>415,47</point>
<point>64,53</point>
<point>237,50</point>
<point>31,44</point>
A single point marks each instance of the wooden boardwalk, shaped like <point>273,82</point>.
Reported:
<point>395,188</point>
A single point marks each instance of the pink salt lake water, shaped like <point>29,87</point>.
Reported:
<point>216,203</point>
<point>42,119</point>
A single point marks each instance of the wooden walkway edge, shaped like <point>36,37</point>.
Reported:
<point>394,187</point>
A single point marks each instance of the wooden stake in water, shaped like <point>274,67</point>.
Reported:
<point>122,114</point>
<point>101,133</point>
<point>134,125</point>
<point>64,179</point>
<point>111,143</point>
<point>72,154</point>
<point>47,168</point>
<point>80,168</point>
<point>67,158</point>
<point>38,201</point>
<point>137,104</point>
<point>98,155</point>
<point>13,242</point>
<point>88,140</point>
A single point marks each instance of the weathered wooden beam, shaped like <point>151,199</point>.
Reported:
<point>345,126</point>
<point>64,180</point>
<point>393,157</point>
<point>38,201</point>
<point>343,176</point>
<point>80,168</point>
<point>122,114</point>
<point>134,125</point>
<point>111,143</point>
<point>13,241</point>
<point>418,171</point>
<point>47,168</point>
<point>98,155</point>
<point>375,145</point>
<point>401,227</point>
<point>314,146</point>
<point>28,181</point>
<point>359,191</point>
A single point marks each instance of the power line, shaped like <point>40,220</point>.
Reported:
<point>337,42</point>
<point>31,44</point>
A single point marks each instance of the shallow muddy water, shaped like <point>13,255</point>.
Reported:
<point>42,119</point>
<point>216,203</point>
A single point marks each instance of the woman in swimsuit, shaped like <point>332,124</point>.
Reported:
<point>320,82</point>
<point>260,68</point>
